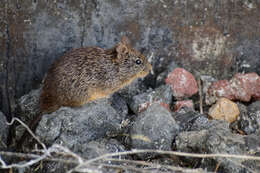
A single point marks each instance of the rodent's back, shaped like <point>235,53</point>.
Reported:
<point>87,74</point>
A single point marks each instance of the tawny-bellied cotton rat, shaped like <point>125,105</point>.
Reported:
<point>86,74</point>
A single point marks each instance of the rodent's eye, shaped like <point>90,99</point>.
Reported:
<point>138,61</point>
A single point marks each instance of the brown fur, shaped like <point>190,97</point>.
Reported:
<point>87,74</point>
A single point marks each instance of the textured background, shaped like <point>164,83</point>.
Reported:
<point>212,37</point>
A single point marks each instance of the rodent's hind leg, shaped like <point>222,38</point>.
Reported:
<point>49,103</point>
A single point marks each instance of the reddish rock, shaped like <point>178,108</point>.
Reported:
<point>242,87</point>
<point>218,89</point>
<point>182,82</point>
<point>246,86</point>
<point>184,103</point>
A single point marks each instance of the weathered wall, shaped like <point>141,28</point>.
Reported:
<point>204,36</point>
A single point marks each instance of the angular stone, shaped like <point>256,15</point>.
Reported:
<point>182,82</point>
<point>242,87</point>
<point>187,119</point>
<point>27,110</point>
<point>224,109</point>
<point>28,105</point>
<point>74,126</point>
<point>249,121</point>
<point>154,128</point>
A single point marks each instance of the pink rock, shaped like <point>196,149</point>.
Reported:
<point>184,103</point>
<point>221,88</point>
<point>241,87</point>
<point>246,86</point>
<point>182,82</point>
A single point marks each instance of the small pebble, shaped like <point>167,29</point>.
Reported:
<point>224,109</point>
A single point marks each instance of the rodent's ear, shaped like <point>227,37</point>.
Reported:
<point>125,40</point>
<point>121,48</point>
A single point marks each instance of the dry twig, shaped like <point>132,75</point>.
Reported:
<point>200,95</point>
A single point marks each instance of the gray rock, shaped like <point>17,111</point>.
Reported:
<point>74,127</point>
<point>249,118</point>
<point>153,129</point>
<point>219,139</point>
<point>202,123</point>
<point>28,105</point>
<point>254,107</point>
<point>141,102</point>
<point>4,129</point>
<point>27,110</point>
<point>188,119</point>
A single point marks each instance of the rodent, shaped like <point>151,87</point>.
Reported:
<point>86,74</point>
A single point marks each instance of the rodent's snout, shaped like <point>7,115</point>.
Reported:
<point>150,68</point>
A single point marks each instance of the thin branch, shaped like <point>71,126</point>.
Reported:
<point>23,165</point>
<point>174,153</point>
<point>144,163</point>
<point>200,95</point>
<point>165,152</point>
<point>122,167</point>
<point>33,156</point>
<point>29,130</point>
<point>67,151</point>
